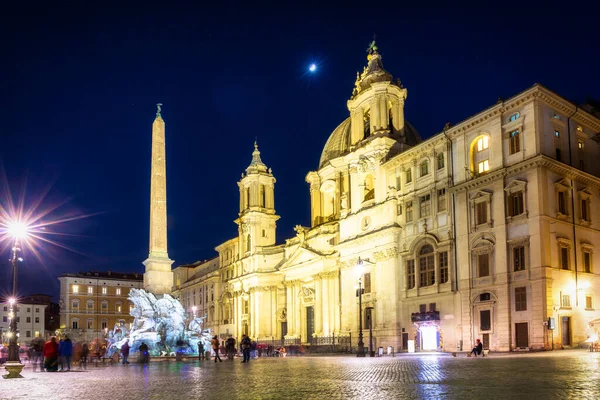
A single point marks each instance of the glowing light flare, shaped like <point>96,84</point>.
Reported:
<point>12,301</point>
<point>17,230</point>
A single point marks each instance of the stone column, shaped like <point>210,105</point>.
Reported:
<point>318,301</point>
<point>326,306</point>
<point>400,115</point>
<point>298,310</point>
<point>336,304</point>
<point>289,299</point>
<point>357,125</point>
<point>384,118</point>
<point>374,113</point>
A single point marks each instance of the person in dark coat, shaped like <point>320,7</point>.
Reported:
<point>200,351</point>
<point>144,356</point>
<point>478,348</point>
<point>246,343</point>
<point>125,351</point>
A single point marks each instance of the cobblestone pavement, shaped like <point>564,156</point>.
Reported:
<point>557,375</point>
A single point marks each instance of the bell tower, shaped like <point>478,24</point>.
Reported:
<point>257,218</point>
<point>377,103</point>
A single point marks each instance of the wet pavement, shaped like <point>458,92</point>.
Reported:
<point>556,375</point>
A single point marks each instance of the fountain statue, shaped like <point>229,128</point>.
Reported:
<point>160,324</point>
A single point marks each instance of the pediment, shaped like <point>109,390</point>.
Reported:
<point>480,194</point>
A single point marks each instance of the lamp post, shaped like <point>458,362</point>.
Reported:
<point>371,349</point>
<point>14,367</point>
<point>361,346</point>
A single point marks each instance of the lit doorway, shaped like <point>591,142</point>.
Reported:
<point>428,337</point>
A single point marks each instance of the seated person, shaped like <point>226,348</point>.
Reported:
<point>478,348</point>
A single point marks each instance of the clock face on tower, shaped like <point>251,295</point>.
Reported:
<point>365,223</point>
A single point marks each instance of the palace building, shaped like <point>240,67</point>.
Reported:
<point>93,303</point>
<point>485,230</point>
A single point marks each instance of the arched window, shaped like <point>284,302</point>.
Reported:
<point>426,266</point>
<point>424,168</point>
<point>480,163</point>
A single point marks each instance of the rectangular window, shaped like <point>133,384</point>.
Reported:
<point>410,274</point>
<point>440,161</point>
<point>566,301</point>
<point>483,265</point>
<point>515,204</point>
<point>442,199</point>
<point>28,320</point>
<point>104,324</point>
<point>75,324</point>
<point>399,209</point>
<point>584,210</point>
<point>483,143</point>
<point>483,166</point>
<point>519,258</point>
<point>118,291</point>
<point>37,333</point>
<point>424,168</point>
<point>4,318</point>
<point>90,306</point>
<point>481,209</point>
<point>422,308</point>
<point>564,258</point>
<point>485,320</point>
<point>398,180</point>
<point>37,310</point>
<point>580,145</point>
<point>515,145</point>
<point>558,155</point>
<point>562,203</point>
<point>521,299</point>
<point>28,309</point>
<point>28,334</point>
<point>104,290</point>
<point>367,282</point>
<point>119,308</point>
<point>588,303</point>
<point>409,175</point>
<point>556,133</point>
<point>425,205</point>
<point>443,259</point>
<point>431,307</point>
<point>90,324</point>
<point>75,305</point>
<point>587,262</point>
<point>409,211</point>
<point>90,290</point>
<point>75,288</point>
<point>37,320</point>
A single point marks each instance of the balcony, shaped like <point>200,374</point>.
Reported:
<point>428,316</point>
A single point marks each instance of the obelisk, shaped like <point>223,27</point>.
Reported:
<point>158,278</point>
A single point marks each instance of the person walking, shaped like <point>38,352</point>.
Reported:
<point>144,356</point>
<point>200,350</point>
<point>50,353</point>
<point>215,345</point>
<point>230,347</point>
<point>85,352</point>
<point>125,351</point>
<point>67,352</point>
<point>246,343</point>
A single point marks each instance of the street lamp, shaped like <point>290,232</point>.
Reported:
<point>17,232</point>
<point>361,346</point>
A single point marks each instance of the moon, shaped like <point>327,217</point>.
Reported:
<point>312,67</point>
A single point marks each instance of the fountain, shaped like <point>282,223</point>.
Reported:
<point>160,324</point>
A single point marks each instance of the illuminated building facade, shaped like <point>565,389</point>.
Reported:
<point>485,230</point>
<point>93,303</point>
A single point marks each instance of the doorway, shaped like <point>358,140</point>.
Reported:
<point>283,330</point>
<point>566,331</point>
<point>310,323</point>
<point>522,335</point>
<point>429,337</point>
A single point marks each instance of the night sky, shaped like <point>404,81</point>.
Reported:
<point>79,86</point>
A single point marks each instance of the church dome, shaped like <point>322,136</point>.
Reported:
<point>338,143</point>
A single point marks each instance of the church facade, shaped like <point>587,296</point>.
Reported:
<point>486,230</point>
